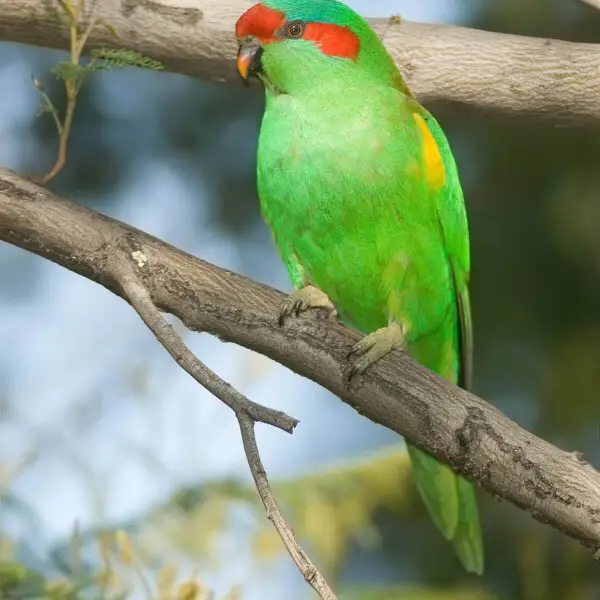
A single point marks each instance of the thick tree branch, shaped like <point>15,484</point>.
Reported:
<point>594,3</point>
<point>554,486</point>
<point>507,73</point>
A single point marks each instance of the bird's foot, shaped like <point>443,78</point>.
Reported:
<point>305,298</point>
<point>374,347</point>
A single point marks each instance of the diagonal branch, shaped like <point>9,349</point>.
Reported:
<point>310,572</point>
<point>556,487</point>
<point>246,411</point>
<point>137,295</point>
<point>507,73</point>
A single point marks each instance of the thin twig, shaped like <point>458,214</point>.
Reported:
<point>72,85</point>
<point>139,298</point>
<point>246,411</point>
<point>86,34</point>
<point>307,568</point>
<point>48,105</point>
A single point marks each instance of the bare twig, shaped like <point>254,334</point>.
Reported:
<point>507,73</point>
<point>556,487</point>
<point>247,412</point>
<point>138,297</point>
<point>48,105</point>
<point>307,568</point>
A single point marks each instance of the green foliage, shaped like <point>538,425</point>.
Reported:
<point>334,507</point>
<point>120,573</point>
<point>73,73</point>
<point>17,581</point>
<point>103,59</point>
<point>328,509</point>
<point>118,59</point>
<point>70,72</point>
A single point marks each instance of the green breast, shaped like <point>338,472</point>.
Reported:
<point>340,189</point>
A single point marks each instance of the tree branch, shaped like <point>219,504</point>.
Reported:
<point>247,412</point>
<point>513,74</point>
<point>310,572</point>
<point>554,486</point>
<point>137,295</point>
<point>594,3</point>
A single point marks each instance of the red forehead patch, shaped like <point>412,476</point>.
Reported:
<point>261,22</point>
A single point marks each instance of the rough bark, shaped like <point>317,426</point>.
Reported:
<point>511,74</point>
<point>554,486</point>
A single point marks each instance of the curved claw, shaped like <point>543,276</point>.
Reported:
<point>304,299</point>
<point>374,347</point>
<point>292,307</point>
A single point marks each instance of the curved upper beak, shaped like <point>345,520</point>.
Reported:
<point>249,58</point>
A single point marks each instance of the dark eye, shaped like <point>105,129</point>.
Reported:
<point>295,29</point>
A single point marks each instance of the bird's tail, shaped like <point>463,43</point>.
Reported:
<point>452,504</point>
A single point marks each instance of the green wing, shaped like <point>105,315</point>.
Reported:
<point>455,229</point>
<point>450,498</point>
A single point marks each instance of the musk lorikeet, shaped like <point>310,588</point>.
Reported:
<point>359,186</point>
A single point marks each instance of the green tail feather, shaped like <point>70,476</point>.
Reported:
<point>436,483</point>
<point>468,539</point>
<point>452,505</point>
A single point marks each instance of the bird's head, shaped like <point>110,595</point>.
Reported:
<point>293,45</point>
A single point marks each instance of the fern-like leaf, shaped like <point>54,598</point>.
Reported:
<point>69,72</point>
<point>118,59</point>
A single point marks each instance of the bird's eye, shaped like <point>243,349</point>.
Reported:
<point>295,30</point>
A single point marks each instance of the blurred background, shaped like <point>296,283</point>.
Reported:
<point>100,431</point>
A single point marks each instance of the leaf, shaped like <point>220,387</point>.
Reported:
<point>234,594</point>
<point>328,509</point>
<point>54,17</point>
<point>193,532</point>
<point>320,525</point>
<point>266,544</point>
<point>69,72</point>
<point>17,581</point>
<point>118,59</point>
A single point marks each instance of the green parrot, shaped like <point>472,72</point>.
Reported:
<point>359,186</point>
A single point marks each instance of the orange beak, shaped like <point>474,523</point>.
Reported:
<point>249,58</point>
<point>243,62</point>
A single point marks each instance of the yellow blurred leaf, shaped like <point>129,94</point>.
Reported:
<point>234,594</point>
<point>166,577</point>
<point>6,549</point>
<point>191,590</point>
<point>125,547</point>
<point>267,544</point>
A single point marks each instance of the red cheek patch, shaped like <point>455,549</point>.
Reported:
<point>261,22</point>
<point>333,40</point>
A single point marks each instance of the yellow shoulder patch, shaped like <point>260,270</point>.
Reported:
<point>434,165</point>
